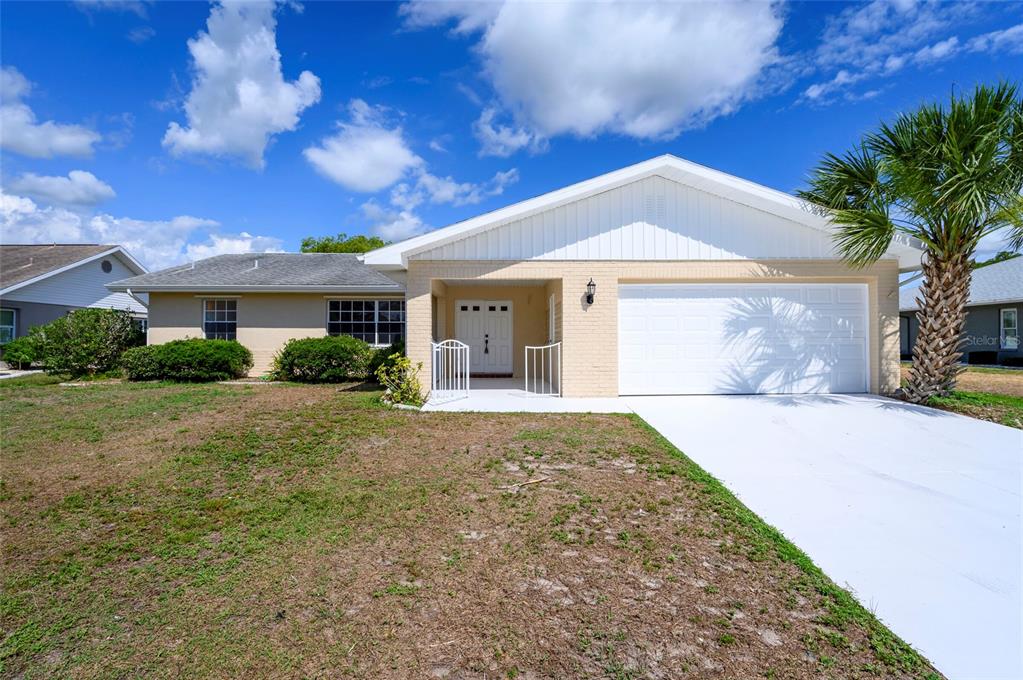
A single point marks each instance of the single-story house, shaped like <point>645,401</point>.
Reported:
<point>992,315</point>
<point>664,277</point>
<point>40,283</point>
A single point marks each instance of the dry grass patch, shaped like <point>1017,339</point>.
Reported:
<point>306,531</point>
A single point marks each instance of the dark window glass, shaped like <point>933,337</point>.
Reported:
<point>220,319</point>
<point>378,322</point>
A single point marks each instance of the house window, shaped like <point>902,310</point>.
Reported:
<point>8,325</point>
<point>220,319</point>
<point>141,324</point>
<point>378,322</point>
<point>1009,329</point>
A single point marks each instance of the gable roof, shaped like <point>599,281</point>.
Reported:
<point>670,167</point>
<point>271,272</point>
<point>21,265</point>
<point>991,284</point>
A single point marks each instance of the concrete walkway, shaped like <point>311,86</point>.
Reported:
<point>915,510</point>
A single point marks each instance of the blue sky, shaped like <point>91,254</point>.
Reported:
<point>183,129</point>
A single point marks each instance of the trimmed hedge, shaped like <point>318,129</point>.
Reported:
<point>20,352</point>
<point>329,359</point>
<point>190,360</point>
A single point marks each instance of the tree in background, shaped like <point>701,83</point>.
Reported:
<point>947,176</point>
<point>342,243</point>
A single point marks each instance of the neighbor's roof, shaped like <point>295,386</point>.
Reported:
<point>699,177</point>
<point>21,265</point>
<point>270,272</point>
<point>999,282</point>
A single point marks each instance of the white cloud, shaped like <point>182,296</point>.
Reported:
<point>936,52</point>
<point>239,98</point>
<point>642,70</point>
<point>157,243</point>
<point>134,6</point>
<point>366,154</point>
<point>439,190</point>
<point>1008,40</point>
<point>22,133</point>
<point>79,188</point>
<point>503,140</point>
<point>392,224</point>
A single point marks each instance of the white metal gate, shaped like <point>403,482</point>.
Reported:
<point>543,369</point>
<point>450,374</point>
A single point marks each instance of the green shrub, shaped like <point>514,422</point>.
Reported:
<point>142,363</point>
<point>329,359</point>
<point>401,379</point>
<point>85,341</point>
<point>189,360</point>
<point>20,352</point>
<point>385,357</point>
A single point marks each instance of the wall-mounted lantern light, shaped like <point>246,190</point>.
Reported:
<point>591,289</point>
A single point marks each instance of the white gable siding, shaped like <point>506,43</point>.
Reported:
<point>650,219</point>
<point>82,286</point>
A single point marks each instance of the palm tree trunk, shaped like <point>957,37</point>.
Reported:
<point>942,317</point>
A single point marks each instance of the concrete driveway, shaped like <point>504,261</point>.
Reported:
<point>915,510</point>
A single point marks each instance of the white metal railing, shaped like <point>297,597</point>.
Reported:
<point>543,369</point>
<point>450,374</point>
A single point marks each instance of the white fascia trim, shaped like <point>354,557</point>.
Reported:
<point>670,167</point>
<point>131,261</point>
<point>259,289</point>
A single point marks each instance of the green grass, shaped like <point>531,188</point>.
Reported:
<point>1001,408</point>
<point>207,545</point>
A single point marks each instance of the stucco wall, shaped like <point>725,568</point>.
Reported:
<point>265,321</point>
<point>590,332</point>
<point>983,329</point>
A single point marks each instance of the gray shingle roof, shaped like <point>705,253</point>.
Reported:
<point>23,262</point>
<point>1000,282</point>
<point>265,271</point>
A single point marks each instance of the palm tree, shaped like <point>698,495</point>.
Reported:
<point>947,176</point>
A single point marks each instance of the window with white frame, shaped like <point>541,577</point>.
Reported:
<point>1009,328</point>
<point>8,325</point>
<point>378,322</point>
<point>220,319</point>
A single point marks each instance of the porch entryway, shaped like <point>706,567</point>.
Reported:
<point>497,337</point>
<point>507,395</point>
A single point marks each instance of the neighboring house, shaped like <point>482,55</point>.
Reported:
<point>992,315</point>
<point>701,282</point>
<point>39,283</point>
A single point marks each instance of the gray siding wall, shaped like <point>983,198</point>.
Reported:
<point>982,329</point>
<point>33,314</point>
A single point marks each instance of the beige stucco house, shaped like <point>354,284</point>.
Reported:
<point>664,277</point>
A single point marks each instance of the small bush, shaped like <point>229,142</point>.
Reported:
<point>20,352</point>
<point>85,341</point>
<point>142,363</point>
<point>189,360</point>
<point>329,359</point>
<point>385,357</point>
<point>401,379</point>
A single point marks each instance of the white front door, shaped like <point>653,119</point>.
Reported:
<point>486,326</point>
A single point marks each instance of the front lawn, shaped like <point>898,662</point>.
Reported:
<point>283,530</point>
<point>998,408</point>
<point>994,394</point>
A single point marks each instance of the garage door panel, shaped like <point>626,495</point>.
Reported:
<point>742,338</point>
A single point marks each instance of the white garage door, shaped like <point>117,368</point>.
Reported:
<point>742,338</point>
